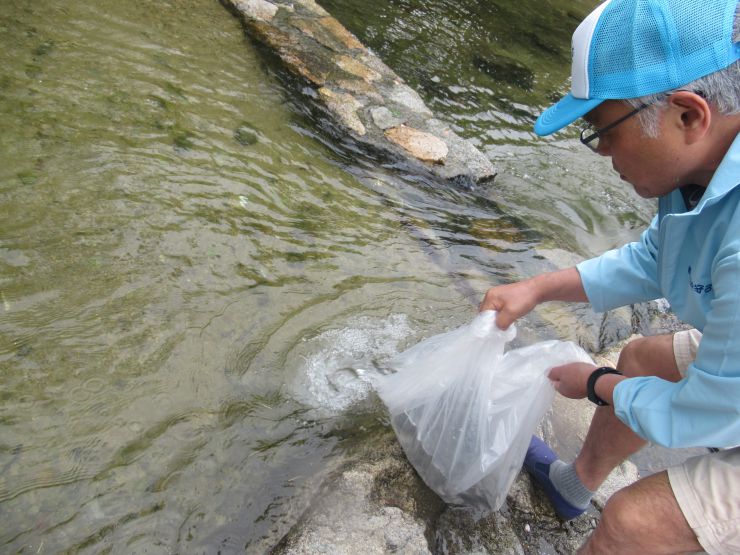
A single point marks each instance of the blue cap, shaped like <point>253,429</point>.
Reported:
<point>632,48</point>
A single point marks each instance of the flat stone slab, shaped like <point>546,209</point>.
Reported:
<point>363,96</point>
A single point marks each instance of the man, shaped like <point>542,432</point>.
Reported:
<point>658,83</point>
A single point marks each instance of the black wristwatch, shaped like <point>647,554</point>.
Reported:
<point>591,384</point>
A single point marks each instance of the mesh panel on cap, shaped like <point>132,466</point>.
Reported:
<point>614,53</point>
<point>674,43</point>
<point>695,37</point>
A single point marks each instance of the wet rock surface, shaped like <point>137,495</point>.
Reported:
<point>363,96</point>
<point>424,146</point>
<point>377,504</point>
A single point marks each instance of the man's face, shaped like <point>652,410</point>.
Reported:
<point>653,166</point>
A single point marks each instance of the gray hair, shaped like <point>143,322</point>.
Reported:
<point>721,88</point>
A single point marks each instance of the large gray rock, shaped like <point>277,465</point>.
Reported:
<point>460,530</point>
<point>358,91</point>
<point>377,504</point>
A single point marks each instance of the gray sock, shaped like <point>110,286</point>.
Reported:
<point>563,476</point>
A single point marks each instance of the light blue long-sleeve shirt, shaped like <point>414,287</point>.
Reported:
<point>692,258</point>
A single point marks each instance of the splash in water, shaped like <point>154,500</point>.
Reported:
<point>343,362</point>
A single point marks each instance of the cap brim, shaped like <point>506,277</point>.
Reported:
<point>567,110</point>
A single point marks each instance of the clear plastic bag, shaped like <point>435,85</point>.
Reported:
<point>464,410</point>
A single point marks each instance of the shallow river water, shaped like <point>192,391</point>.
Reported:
<point>195,281</point>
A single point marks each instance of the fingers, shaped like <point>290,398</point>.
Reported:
<point>555,372</point>
<point>510,302</point>
<point>493,301</point>
<point>554,375</point>
<point>570,379</point>
<point>504,319</point>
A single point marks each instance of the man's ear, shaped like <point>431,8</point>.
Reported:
<point>692,114</point>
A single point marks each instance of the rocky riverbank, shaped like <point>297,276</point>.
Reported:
<point>375,503</point>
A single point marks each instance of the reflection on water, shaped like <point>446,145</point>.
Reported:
<point>483,64</point>
<point>489,68</point>
<point>194,289</point>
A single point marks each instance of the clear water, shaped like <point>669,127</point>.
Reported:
<point>195,281</point>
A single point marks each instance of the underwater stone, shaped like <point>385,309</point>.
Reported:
<point>183,140</point>
<point>508,70</point>
<point>27,177</point>
<point>245,135</point>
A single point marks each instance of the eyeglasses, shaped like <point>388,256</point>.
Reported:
<point>590,135</point>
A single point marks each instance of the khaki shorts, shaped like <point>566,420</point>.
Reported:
<point>707,487</point>
<point>685,344</point>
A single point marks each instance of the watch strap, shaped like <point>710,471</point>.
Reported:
<point>591,384</point>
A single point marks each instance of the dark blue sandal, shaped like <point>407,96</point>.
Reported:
<point>537,462</point>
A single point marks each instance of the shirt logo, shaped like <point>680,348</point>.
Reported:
<point>699,287</point>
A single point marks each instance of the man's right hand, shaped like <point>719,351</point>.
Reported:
<point>510,302</point>
<point>515,300</point>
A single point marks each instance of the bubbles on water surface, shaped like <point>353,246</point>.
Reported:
<point>341,364</point>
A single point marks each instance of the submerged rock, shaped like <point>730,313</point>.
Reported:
<point>183,141</point>
<point>507,70</point>
<point>246,135</point>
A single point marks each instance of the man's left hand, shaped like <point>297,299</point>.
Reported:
<point>570,379</point>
